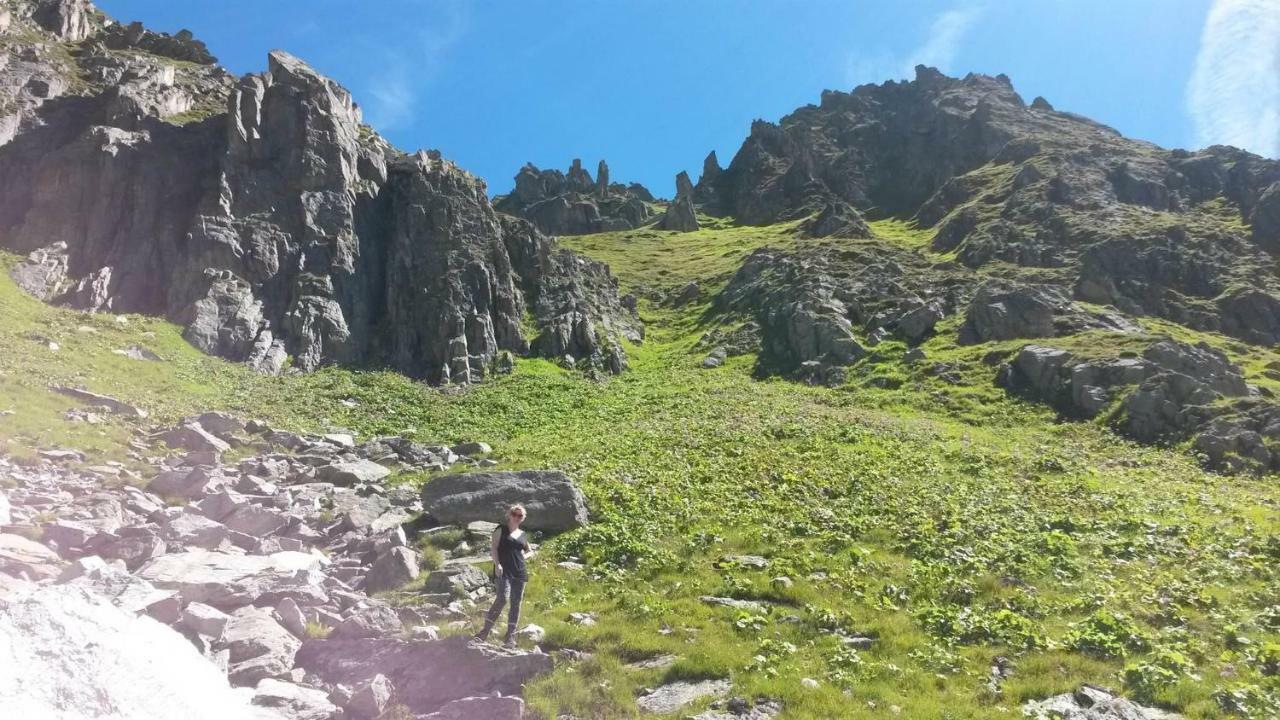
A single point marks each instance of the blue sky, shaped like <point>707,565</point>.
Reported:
<point>652,85</point>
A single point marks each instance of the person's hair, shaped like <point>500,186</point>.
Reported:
<point>517,510</point>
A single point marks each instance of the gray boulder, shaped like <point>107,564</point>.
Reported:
<point>554,503</point>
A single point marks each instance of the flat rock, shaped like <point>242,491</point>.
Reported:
<point>656,662</point>
<point>125,591</point>
<point>1092,703</point>
<point>294,702</point>
<point>227,580</point>
<point>192,436</point>
<point>351,473</point>
<point>736,604</point>
<point>671,697</point>
<point>392,569</point>
<point>195,531</point>
<point>427,674</point>
<point>473,708</point>
<point>205,620</point>
<point>92,398</point>
<point>256,520</point>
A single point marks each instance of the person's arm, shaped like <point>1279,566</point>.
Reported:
<point>493,553</point>
<point>528,549</point>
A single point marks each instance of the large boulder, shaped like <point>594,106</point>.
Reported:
<point>69,654</point>
<point>554,503</point>
<point>427,675</point>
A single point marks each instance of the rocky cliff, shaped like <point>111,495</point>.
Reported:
<point>263,215</point>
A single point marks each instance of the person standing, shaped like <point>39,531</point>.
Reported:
<point>508,547</point>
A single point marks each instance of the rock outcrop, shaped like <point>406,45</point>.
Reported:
<point>1174,392</point>
<point>573,204</point>
<point>279,229</point>
<point>681,216</point>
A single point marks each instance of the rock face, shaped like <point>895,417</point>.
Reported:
<point>83,657</point>
<point>552,500</point>
<point>573,204</point>
<point>277,228</point>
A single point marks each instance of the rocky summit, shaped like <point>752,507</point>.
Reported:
<point>573,204</point>
<point>928,403</point>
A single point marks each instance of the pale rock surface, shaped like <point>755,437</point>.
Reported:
<point>82,657</point>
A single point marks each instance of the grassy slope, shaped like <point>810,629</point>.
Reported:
<point>950,522</point>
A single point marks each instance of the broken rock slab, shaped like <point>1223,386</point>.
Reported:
<point>427,674</point>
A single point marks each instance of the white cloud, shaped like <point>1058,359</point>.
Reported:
<point>1234,92</point>
<point>947,31</point>
<point>393,92</point>
<point>945,34</point>
<point>391,99</point>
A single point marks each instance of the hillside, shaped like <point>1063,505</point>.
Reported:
<point>931,404</point>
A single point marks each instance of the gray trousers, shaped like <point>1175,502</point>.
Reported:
<point>517,594</point>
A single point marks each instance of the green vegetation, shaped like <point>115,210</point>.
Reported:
<point>948,522</point>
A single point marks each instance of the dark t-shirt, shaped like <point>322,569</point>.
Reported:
<point>511,553</point>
